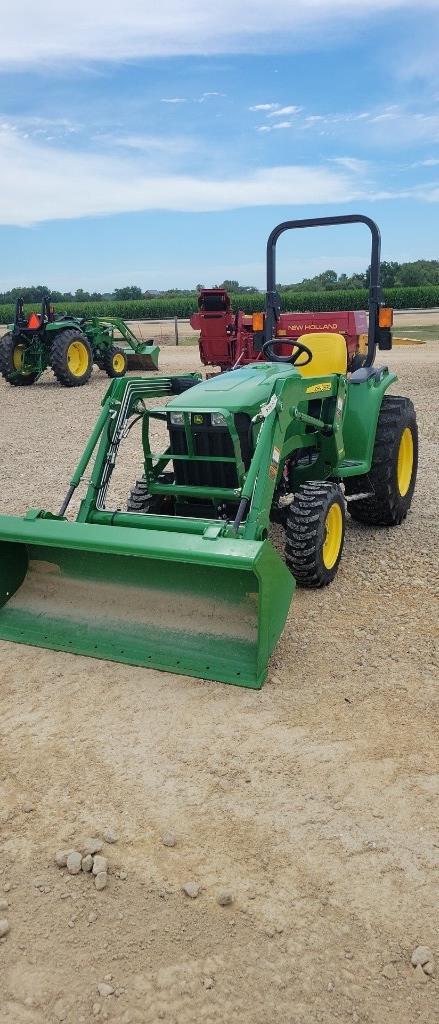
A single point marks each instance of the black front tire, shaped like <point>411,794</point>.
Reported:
<point>390,483</point>
<point>315,533</point>
<point>8,368</point>
<point>114,362</point>
<point>140,500</point>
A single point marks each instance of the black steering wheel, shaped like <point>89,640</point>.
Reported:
<point>300,348</point>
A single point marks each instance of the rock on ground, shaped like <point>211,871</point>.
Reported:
<point>100,864</point>
<point>421,955</point>
<point>192,889</point>
<point>91,846</point>
<point>225,898</point>
<point>74,863</point>
<point>104,989</point>
<point>169,839</point>
<point>61,857</point>
<point>110,836</point>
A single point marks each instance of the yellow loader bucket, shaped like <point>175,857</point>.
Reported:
<point>173,601</point>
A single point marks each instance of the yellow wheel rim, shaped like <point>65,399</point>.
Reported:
<point>118,362</point>
<point>77,358</point>
<point>333,535</point>
<point>18,357</point>
<point>404,469</point>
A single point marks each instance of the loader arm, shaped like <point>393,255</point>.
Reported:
<point>101,330</point>
<point>122,327</point>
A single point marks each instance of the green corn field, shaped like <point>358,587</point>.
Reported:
<point>422,297</point>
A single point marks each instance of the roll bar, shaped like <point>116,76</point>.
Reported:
<point>20,319</point>
<point>272,301</point>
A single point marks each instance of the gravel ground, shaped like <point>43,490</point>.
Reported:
<point>302,821</point>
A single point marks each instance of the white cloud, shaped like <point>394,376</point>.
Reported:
<point>429,193</point>
<point>208,95</point>
<point>264,106</point>
<point>272,127</point>
<point>431,161</point>
<point>40,182</point>
<point>388,126</point>
<point>351,163</point>
<point>55,127</point>
<point>174,99</point>
<point>166,144</point>
<point>282,111</point>
<point>102,30</point>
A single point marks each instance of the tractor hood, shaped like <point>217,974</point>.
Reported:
<point>238,390</point>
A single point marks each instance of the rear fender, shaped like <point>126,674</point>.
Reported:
<point>363,404</point>
<point>62,325</point>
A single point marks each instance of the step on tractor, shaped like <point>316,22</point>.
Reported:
<point>184,577</point>
<point>70,345</point>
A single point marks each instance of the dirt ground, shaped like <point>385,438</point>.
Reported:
<point>314,802</point>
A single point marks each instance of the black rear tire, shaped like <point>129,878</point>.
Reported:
<point>9,369</point>
<point>71,358</point>
<point>315,533</point>
<point>391,481</point>
<point>358,362</point>
<point>114,362</point>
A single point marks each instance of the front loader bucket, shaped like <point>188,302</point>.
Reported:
<point>146,357</point>
<point>172,601</point>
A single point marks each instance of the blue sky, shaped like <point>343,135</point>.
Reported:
<point>159,144</point>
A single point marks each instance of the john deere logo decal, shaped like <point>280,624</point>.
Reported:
<point>198,419</point>
<point>324,386</point>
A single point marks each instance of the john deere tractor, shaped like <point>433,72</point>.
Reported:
<point>70,346</point>
<point>185,577</point>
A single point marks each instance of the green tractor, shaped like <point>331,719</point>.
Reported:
<point>70,346</point>
<point>185,577</point>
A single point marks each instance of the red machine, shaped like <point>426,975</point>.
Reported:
<point>230,339</point>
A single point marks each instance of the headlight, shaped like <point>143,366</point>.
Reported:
<point>177,419</point>
<point>218,420</point>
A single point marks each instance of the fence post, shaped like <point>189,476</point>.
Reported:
<point>176,329</point>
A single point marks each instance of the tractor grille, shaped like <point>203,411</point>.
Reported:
<point>210,441</point>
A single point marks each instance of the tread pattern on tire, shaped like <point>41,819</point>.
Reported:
<point>139,500</point>
<point>384,506</point>
<point>7,370</point>
<point>305,533</point>
<point>58,358</point>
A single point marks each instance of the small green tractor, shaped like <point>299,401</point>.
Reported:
<point>70,346</point>
<point>184,577</point>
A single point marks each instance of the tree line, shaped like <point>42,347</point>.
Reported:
<point>393,275</point>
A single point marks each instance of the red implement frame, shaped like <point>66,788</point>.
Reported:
<point>227,339</point>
